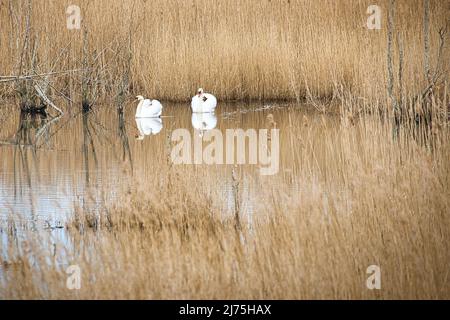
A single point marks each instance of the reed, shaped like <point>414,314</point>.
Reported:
<point>366,199</point>
<point>237,49</point>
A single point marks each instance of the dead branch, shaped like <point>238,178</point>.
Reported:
<point>400,66</point>
<point>390,88</point>
<point>31,76</point>
<point>433,80</point>
<point>426,39</point>
<point>41,94</point>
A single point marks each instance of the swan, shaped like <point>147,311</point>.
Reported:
<point>148,126</point>
<point>203,102</point>
<point>148,108</point>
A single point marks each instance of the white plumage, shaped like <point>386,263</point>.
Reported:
<point>203,102</point>
<point>204,121</point>
<point>148,108</point>
<point>148,126</point>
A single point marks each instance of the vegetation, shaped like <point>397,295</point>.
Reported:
<point>274,49</point>
<point>374,184</point>
<point>347,196</point>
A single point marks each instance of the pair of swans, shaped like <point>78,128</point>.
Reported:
<point>201,103</point>
<point>148,113</point>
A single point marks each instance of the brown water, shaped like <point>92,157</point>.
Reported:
<point>51,167</point>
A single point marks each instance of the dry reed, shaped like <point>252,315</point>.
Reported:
<point>366,199</point>
<point>237,49</point>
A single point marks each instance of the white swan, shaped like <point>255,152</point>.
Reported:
<point>148,108</point>
<point>148,126</point>
<point>203,102</point>
<point>204,121</point>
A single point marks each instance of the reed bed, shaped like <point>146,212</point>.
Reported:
<point>368,200</point>
<point>237,49</point>
<point>368,191</point>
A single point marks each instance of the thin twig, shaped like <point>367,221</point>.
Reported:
<point>31,76</point>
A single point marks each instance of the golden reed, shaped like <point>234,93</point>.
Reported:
<point>271,49</point>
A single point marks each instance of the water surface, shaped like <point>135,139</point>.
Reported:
<point>51,167</point>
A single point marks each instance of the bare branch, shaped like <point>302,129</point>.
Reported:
<point>41,93</point>
<point>31,76</point>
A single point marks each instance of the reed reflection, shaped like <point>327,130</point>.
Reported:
<point>122,129</point>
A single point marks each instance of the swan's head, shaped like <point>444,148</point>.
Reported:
<point>140,98</point>
<point>140,137</point>
<point>200,92</point>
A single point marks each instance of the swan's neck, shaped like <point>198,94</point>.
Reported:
<point>139,107</point>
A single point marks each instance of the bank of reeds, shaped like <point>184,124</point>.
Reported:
<point>237,49</point>
<point>366,200</point>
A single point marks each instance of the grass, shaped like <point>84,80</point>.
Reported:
<point>348,196</point>
<point>364,199</point>
<point>237,49</point>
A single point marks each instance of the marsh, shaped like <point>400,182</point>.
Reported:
<point>350,122</point>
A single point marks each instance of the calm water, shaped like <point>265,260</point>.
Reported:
<point>50,168</point>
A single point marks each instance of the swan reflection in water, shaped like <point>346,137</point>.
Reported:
<point>148,126</point>
<point>203,121</point>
